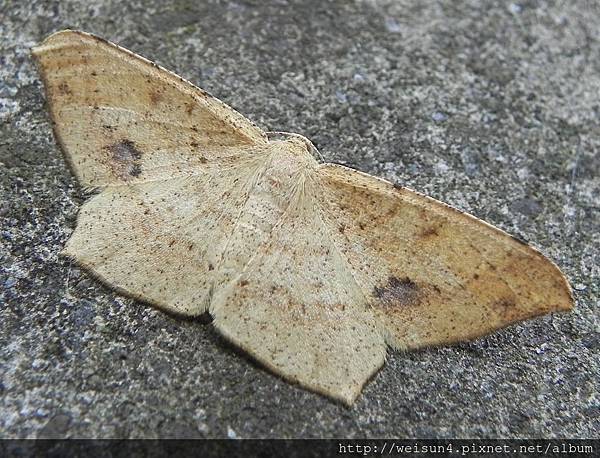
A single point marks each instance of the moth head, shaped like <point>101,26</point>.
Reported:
<point>302,144</point>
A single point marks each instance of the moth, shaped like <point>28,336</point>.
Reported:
<point>313,269</point>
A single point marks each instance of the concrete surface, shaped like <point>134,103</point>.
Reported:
<point>491,106</point>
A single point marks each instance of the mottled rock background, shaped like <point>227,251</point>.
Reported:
<point>491,106</point>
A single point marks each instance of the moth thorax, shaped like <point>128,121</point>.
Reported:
<point>292,153</point>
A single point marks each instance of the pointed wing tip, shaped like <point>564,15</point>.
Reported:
<point>345,395</point>
<point>568,304</point>
<point>565,300</point>
<point>344,392</point>
<point>559,294</point>
<point>55,39</point>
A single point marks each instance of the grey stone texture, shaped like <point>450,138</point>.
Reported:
<point>491,106</point>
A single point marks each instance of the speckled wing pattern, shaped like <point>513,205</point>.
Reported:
<point>312,269</point>
<point>434,275</point>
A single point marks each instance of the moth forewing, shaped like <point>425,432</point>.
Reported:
<point>435,275</point>
<point>120,118</point>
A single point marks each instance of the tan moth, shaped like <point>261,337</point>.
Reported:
<point>313,269</point>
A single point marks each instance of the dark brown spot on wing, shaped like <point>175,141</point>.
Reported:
<point>398,292</point>
<point>125,159</point>
<point>64,89</point>
<point>429,232</point>
<point>507,308</point>
<point>125,150</point>
<point>155,97</point>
